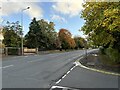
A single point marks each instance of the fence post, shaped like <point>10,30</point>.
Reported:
<point>6,51</point>
<point>36,50</point>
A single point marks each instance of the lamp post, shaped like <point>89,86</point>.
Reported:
<point>86,48</point>
<point>22,28</point>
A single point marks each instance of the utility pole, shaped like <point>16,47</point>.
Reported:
<point>22,29</point>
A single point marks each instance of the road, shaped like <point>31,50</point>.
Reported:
<point>83,78</point>
<point>43,71</point>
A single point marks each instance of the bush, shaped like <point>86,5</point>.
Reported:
<point>102,50</point>
<point>113,54</point>
<point>12,51</point>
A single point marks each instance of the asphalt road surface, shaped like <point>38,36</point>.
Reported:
<point>83,78</point>
<point>43,71</point>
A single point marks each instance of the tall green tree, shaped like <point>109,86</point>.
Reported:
<point>42,33</point>
<point>11,33</point>
<point>103,25</point>
<point>49,35</point>
<point>32,35</point>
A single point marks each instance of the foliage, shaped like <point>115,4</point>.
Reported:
<point>32,34</point>
<point>113,54</point>
<point>42,33</point>
<point>102,22</point>
<point>13,51</point>
<point>11,35</point>
<point>49,35</point>
<point>103,26</point>
<point>102,50</point>
<point>80,42</point>
<point>15,26</point>
<point>66,39</point>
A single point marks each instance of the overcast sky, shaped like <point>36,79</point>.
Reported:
<point>64,13</point>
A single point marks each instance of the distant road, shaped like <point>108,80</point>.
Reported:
<point>43,71</point>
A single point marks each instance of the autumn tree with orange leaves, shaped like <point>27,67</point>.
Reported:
<point>65,37</point>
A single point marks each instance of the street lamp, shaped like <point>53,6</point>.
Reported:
<point>22,28</point>
<point>86,49</point>
<point>86,46</point>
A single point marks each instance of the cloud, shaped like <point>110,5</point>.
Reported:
<point>58,18</point>
<point>68,7</point>
<point>12,6</point>
<point>33,0</point>
<point>20,0</point>
<point>1,20</point>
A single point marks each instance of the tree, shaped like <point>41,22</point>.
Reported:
<point>80,42</point>
<point>43,33</point>
<point>32,35</point>
<point>11,33</point>
<point>48,33</point>
<point>102,24</point>
<point>66,39</point>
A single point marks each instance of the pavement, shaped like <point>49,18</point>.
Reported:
<point>45,71</point>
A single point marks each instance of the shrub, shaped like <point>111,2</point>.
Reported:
<point>12,51</point>
<point>102,50</point>
<point>113,54</point>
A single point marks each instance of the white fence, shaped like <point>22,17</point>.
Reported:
<point>30,50</point>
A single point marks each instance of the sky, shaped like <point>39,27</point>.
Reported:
<point>64,13</point>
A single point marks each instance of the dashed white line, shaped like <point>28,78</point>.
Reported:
<point>6,66</point>
<point>74,67</point>
<point>58,81</point>
<point>34,60</point>
<point>64,76</point>
<point>71,69</point>
<point>68,72</point>
<point>31,61</point>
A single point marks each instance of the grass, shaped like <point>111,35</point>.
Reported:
<point>107,61</point>
<point>102,62</point>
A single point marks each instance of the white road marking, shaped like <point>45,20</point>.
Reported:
<point>93,69</point>
<point>64,76</point>
<point>68,72</point>
<point>58,81</point>
<point>32,61</point>
<point>74,67</point>
<point>71,69</point>
<point>6,66</point>
<point>62,88</point>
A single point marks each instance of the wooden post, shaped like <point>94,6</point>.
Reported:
<point>6,51</point>
<point>36,50</point>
